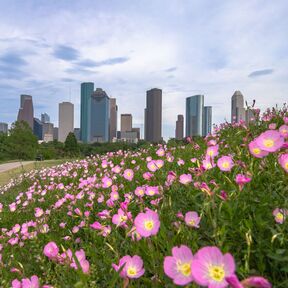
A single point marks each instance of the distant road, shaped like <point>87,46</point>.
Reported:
<point>8,166</point>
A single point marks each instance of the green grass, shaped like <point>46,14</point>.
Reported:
<point>14,173</point>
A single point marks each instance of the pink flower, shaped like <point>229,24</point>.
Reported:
<point>256,282</point>
<point>84,264</point>
<point>147,175</point>
<point>192,219</point>
<point>106,182</point>
<point>256,151</point>
<point>272,126</point>
<point>132,267</point>
<point>159,163</point>
<point>210,267</point>
<point>147,223</point>
<point>114,196</point>
<point>280,215</point>
<point>38,212</point>
<point>160,152</point>
<point>51,250</point>
<point>128,174</point>
<point>26,283</point>
<point>283,130</point>
<point>283,161</point>
<point>242,179</point>
<point>185,179</point>
<point>151,190</point>
<point>208,163</point>
<point>178,266</point>
<point>270,141</point>
<point>140,191</point>
<point>253,281</point>
<point>212,151</point>
<point>225,163</point>
<point>120,218</point>
<point>152,166</point>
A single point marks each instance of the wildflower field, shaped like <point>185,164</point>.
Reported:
<point>205,213</point>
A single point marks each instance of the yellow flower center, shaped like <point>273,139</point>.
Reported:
<point>149,224</point>
<point>210,152</point>
<point>141,192</point>
<point>128,174</point>
<point>208,165</point>
<point>256,151</point>
<point>279,216</point>
<point>131,271</point>
<point>217,273</point>
<point>184,268</point>
<point>225,164</point>
<point>123,218</point>
<point>192,222</point>
<point>286,165</point>
<point>151,192</point>
<point>108,183</point>
<point>268,143</point>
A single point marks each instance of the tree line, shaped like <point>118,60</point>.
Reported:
<point>21,144</point>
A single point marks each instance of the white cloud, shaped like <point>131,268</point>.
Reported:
<point>214,47</point>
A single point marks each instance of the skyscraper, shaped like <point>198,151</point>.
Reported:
<point>237,107</point>
<point>100,116</point>
<point>194,115</point>
<point>207,120</point>
<point>113,119</point>
<point>179,131</point>
<point>48,132</point>
<point>87,90</point>
<point>45,118</point>
<point>3,127</point>
<point>126,122</point>
<point>153,115</point>
<point>66,120</point>
<point>137,130</point>
<point>26,111</point>
<point>38,128</point>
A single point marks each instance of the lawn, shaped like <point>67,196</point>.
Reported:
<point>16,172</point>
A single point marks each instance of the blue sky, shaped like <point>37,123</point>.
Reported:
<point>185,47</point>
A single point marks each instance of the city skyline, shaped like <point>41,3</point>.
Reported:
<point>238,47</point>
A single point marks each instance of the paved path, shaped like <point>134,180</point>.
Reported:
<point>8,166</point>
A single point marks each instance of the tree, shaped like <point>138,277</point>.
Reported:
<point>22,142</point>
<point>4,147</point>
<point>71,145</point>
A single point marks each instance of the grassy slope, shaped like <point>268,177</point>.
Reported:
<point>13,173</point>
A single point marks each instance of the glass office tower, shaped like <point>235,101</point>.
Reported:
<point>194,115</point>
<point>100,116</point>
<point>207,120</point>
<point>87,90</point>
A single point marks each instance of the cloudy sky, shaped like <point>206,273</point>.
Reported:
<point>184,47</point>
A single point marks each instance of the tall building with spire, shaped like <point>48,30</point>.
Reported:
<point>26,111</point>
<point>194,115</point>
<point>179,131</point>
<point>153,115</point>
<point>237,107</point>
